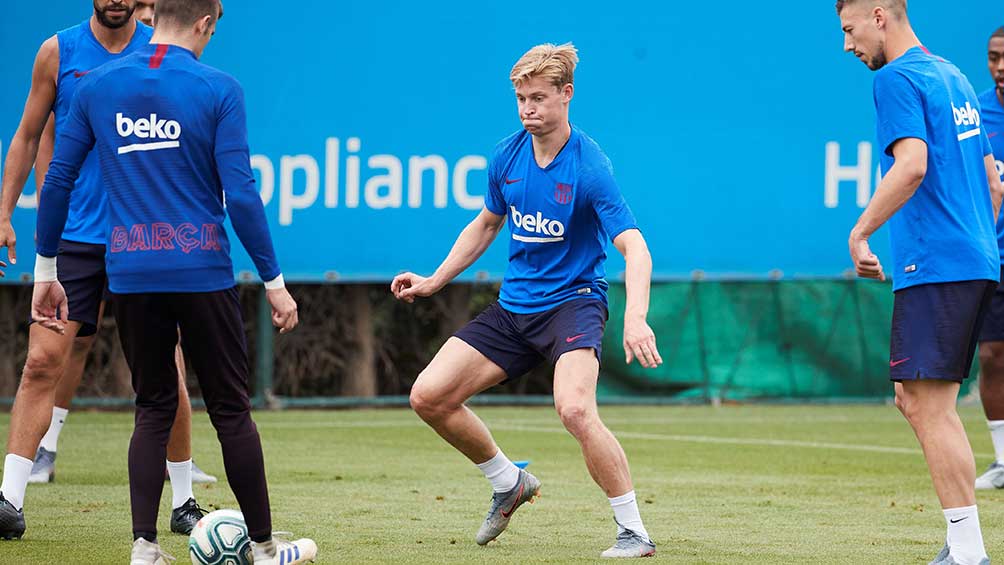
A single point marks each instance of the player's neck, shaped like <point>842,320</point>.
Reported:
<point>113,40</point>
<point>900,40</point>
<point>546,147</point>
<point>167,37</point>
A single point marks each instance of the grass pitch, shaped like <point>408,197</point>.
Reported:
<point>751,484</point>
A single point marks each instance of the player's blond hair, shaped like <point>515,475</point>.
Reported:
<point>895,7</point>
<point>556,63</point>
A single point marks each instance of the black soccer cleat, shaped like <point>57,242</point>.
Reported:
<point>184,517</point>
<point>11,520</point>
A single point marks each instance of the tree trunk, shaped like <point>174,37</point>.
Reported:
<point>361,379</point>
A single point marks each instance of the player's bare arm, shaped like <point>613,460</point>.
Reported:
<point>639,339</point>
<point>893,192</point>
<point>46,149</point>
<point>470,245</point>
<point>996,187</point>
<point>24,145</point>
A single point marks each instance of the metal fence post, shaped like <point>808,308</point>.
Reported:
<point>266,353</point>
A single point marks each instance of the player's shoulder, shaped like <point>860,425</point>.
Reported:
<point>510,143</point>
<point>74,32</point>
<point>593,161</point>
<point>988,98</point>
<point>144,32</point>
<point>221,82</point>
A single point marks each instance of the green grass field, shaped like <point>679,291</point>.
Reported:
<point>755,484</point>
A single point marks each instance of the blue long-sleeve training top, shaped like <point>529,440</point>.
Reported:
<point>171,138</point>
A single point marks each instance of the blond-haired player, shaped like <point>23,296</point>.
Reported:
<point>554,187</point>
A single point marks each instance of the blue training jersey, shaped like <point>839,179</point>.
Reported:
<point>560,218</point>
<point>80,53</point>
<point>945,232</point>
<point>992,114</point>
<point>171,137</point>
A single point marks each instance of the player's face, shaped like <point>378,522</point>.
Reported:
<point>114,14</point>
<point>864,34</point>
<point>995,58</point>
<point>543,107</point>
<point>144,11</point>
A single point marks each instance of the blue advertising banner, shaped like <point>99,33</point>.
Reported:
<point>741,135</point>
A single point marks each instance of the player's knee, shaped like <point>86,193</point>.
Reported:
<point>42,366</point>
<point>424,401</point>
<point>992,360</point>
<point>576,416</point>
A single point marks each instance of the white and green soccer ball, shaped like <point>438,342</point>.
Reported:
<point>220,538</point>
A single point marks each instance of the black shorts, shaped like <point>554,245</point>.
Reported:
<point>935,329</point>
<point>993,323</point>
<point>81,271</point>
<point>520,342</point>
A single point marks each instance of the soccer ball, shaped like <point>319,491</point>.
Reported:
<point>220,538</point>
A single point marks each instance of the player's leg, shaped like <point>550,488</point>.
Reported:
<point>213,340</point>
<point>992,388</point>
<point>185,511</point>
<point>456,373</point>
<point>148,330</point>
<point>29,419</point>
<point>484,353</point>
<point>82,274</point>
<point>934,337</point>
<point>992,396</point>
<point>575,378</point>
<point>44,468</point>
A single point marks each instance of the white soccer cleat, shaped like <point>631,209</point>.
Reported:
<point>992,478</point>
<point>278,551</point>
<point>148,553</point>
<point>200,476</point>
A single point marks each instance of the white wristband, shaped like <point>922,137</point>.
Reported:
<point>275,283</point>
<point>45,268</point>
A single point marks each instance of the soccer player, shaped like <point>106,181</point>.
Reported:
<point>171,138</point>
<point>940,193</point>
<point>181,468</point>
<point>554,187</point>
<point>992,334</point>
<point>56,362</point>
<point>145,10</point>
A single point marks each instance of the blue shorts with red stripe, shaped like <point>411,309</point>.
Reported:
<point>935,329</point>
<point>520,342</point>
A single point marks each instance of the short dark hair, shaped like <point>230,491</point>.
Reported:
<point>897,7</point>
<point>184,13</point>
<point>998,33</point>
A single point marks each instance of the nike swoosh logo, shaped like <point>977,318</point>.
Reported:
<point>993,134</point>
<point>573,338</point>
<point>511,181</point>
<point>514,503</point>
<point>900,362</point>
<point>957,521</point>
<point>79,74</point>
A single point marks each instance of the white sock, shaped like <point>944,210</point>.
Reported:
<point>51,437</point>
<point>15,479</point>
<point>997,437</point>
<point>965,540</point>
<point>627,515</point>
<point>181,482</point>
<point>501,472</point>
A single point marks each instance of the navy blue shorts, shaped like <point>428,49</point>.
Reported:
<point>81,271</point>
<point>993,323</point>
<point>520,342</point>
<point>935,329</point>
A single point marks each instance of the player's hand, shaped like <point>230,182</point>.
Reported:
<point>8,239</point>
<point>408,286</point>
<point>48,298</point>
<point>639,343</point>
<point>866,263</point>
<point>284,314</point>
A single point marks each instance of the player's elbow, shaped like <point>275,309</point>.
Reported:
<point>914,171</point>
